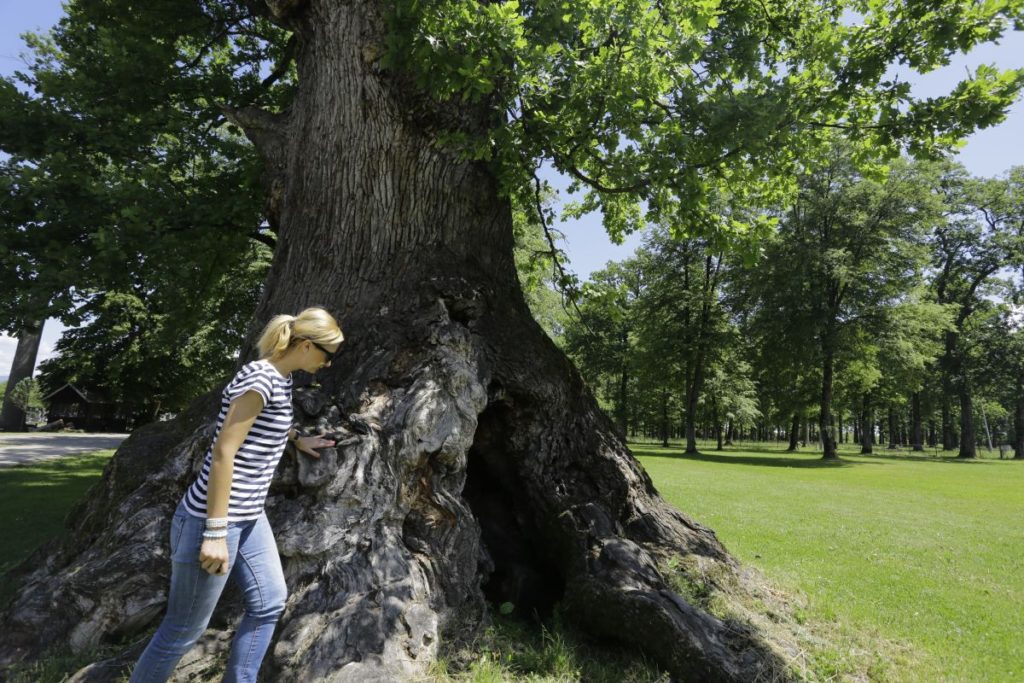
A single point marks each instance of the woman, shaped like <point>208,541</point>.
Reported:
<point>219,530</point>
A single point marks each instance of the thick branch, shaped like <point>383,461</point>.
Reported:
<point>264,238</point>
<point>281,68</point>
<point>263,128</point>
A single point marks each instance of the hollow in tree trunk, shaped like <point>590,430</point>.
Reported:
<point>474,465</point>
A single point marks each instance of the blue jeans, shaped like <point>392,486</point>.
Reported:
<point>253,563</point>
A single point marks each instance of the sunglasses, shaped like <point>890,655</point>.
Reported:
<point>330,354</point>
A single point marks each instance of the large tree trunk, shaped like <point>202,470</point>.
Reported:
<point>12,418</point>
<point>475,465</point>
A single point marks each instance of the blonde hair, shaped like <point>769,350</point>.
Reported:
<point>282,331</point>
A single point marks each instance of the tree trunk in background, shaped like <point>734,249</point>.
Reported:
<point>664,418</point>
<point>1018,423</point>
<point>622,409</point>
<point>825,425</point>
<point>968,441</point>
<point>12,418</point>
<point>717,423</point>
<point>692,396</point>
<point>891,428</point>
<point>794,431</point>
<point>867,419</point>
<point>948,436</point>
<point>917,436</point>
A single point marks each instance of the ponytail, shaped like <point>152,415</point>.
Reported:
<point>313,323</point>
<point>276,337</point>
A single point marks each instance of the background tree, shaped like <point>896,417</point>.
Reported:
<point>600,339</point>
<point>154,351</point>
<point>540,263</point>
<point>852,243</point>
<point>732,395</point>
<point>28,396</point>
<point>682,310</point>
<point>968,249</point>
<point>112,186</point>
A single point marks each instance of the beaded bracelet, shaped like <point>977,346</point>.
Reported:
<point>215,534</point>
<point>216,522</point>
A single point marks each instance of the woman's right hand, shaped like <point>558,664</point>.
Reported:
<point>213,555</point>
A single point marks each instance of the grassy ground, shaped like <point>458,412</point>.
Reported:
<point>924,551</point>
<point>37,497</point>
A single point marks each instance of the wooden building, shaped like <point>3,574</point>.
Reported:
<point>86,409</point>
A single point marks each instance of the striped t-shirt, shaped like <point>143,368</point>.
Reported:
<point>257,458</point>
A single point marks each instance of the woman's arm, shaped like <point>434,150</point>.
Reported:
<point>242,413</point>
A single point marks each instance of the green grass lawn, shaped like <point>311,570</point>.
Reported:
<point>924,551</point>
<point>37,497</point>
<point>922,555</point>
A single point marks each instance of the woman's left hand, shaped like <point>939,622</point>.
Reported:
<point>306,444</point>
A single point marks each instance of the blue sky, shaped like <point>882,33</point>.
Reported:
<point>987,153</point>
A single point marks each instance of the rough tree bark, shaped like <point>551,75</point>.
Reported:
<point>475,464</point>
<point>12,418</point>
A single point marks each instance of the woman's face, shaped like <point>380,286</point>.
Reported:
<point>315,355</point>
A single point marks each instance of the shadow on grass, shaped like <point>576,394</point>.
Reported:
<point>756,460</point>
<point>924,456</point>
<point>750,454</point>
<point>36,498</point>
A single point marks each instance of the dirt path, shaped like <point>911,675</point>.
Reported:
<point>18,448</point>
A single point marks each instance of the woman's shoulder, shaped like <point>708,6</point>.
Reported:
<point>261,368</point>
